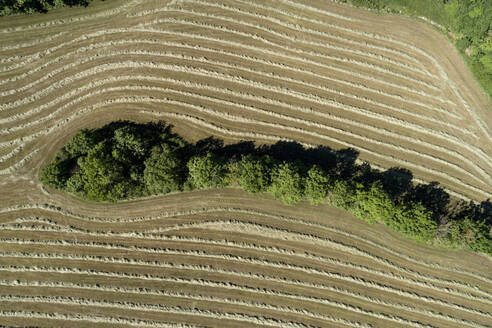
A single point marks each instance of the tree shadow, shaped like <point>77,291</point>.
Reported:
<point>397,182</point>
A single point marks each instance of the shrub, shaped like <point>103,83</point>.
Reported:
<point>317,185</point>
<point>287,183</point>
<point>163,171</point>
<point>254,173</point>
<point>207,171</point>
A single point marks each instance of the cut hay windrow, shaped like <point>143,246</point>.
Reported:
<point>314,73</point>
<point>229,285</point>
<point>481,171</point>
<point>228,257</point>
<point>247,211</point>
<point>277,233</point>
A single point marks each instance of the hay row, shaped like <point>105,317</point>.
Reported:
<point>92,318</point>
<point>248,211</point>
<point>218,51</point>
<point>298,236</point>
<point>230,258</point>
<point>250,108</point>
<point>298,28</point>
<point>187,311</point>
<point>270,233</point>
<point>241,274</point>
<point>216,27</point>
<point>232,286</point>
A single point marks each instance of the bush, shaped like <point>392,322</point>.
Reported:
<point>253,174</point>
<point>287,183</point>
<point>163,171</point>
<point>373,204</point>
<point>207,171</point>
<point>413,220</point>
<point>317,185</point>
<point>56,174</point>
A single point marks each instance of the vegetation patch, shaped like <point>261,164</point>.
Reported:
<point>125,160</point>
<point>10,7</point>
<point>470,21</point>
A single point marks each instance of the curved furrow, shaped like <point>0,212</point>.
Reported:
<point>201,210</point>
<point>162,308</point>
<point>405,45</point>
<point>339,59</point>
<point>187,311</point>
<point>232,286</point>
<point>298,28</point>
<point>271,232</point>
<point>367,43</point>
<point>279,264</point>
<point>249,275</point>
<point>94,319</point>
<point>26,44</point>
<point>157,234</point>
<point>283,66</point>
<point>315,99</point>
<point>330,116</point>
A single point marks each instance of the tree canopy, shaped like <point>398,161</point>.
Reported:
<point>125,160</point>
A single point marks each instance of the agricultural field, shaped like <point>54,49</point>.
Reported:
<point>326,74</point>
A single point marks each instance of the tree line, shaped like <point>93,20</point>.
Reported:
<point>125,160</point>
<point>469,20</point>
<point>11,7</point>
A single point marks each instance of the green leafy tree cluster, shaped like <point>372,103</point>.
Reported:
<point>10,7</point>
<point>252,173</point>
<point>208,171</point>
<point>124,160</point>
<point>287,183</point>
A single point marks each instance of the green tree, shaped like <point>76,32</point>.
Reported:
<point>100,173</point>
<point>413,220</point>
<point>56,174</point>
<point>287,183</point>
<point>163,170</point>
<point>253,173</point>
<point>343,194</point>
<point>129,146</point>
<point>81,143</point>
<point>317,185</point>
<point>207,171</point>
<point>373,204</point>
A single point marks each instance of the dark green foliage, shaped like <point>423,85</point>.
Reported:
<point>119,161</point>
<point>253,173</point>
<point>207,171</point>
<point>81,143</point>
<point>467,232</point>
<point>56,174</point>
<point>10,7</point>
<point>102,176</point>
<point>125,160</point>
<point>287,183</point>
<point>317,185</point>
<point>163,170</point>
